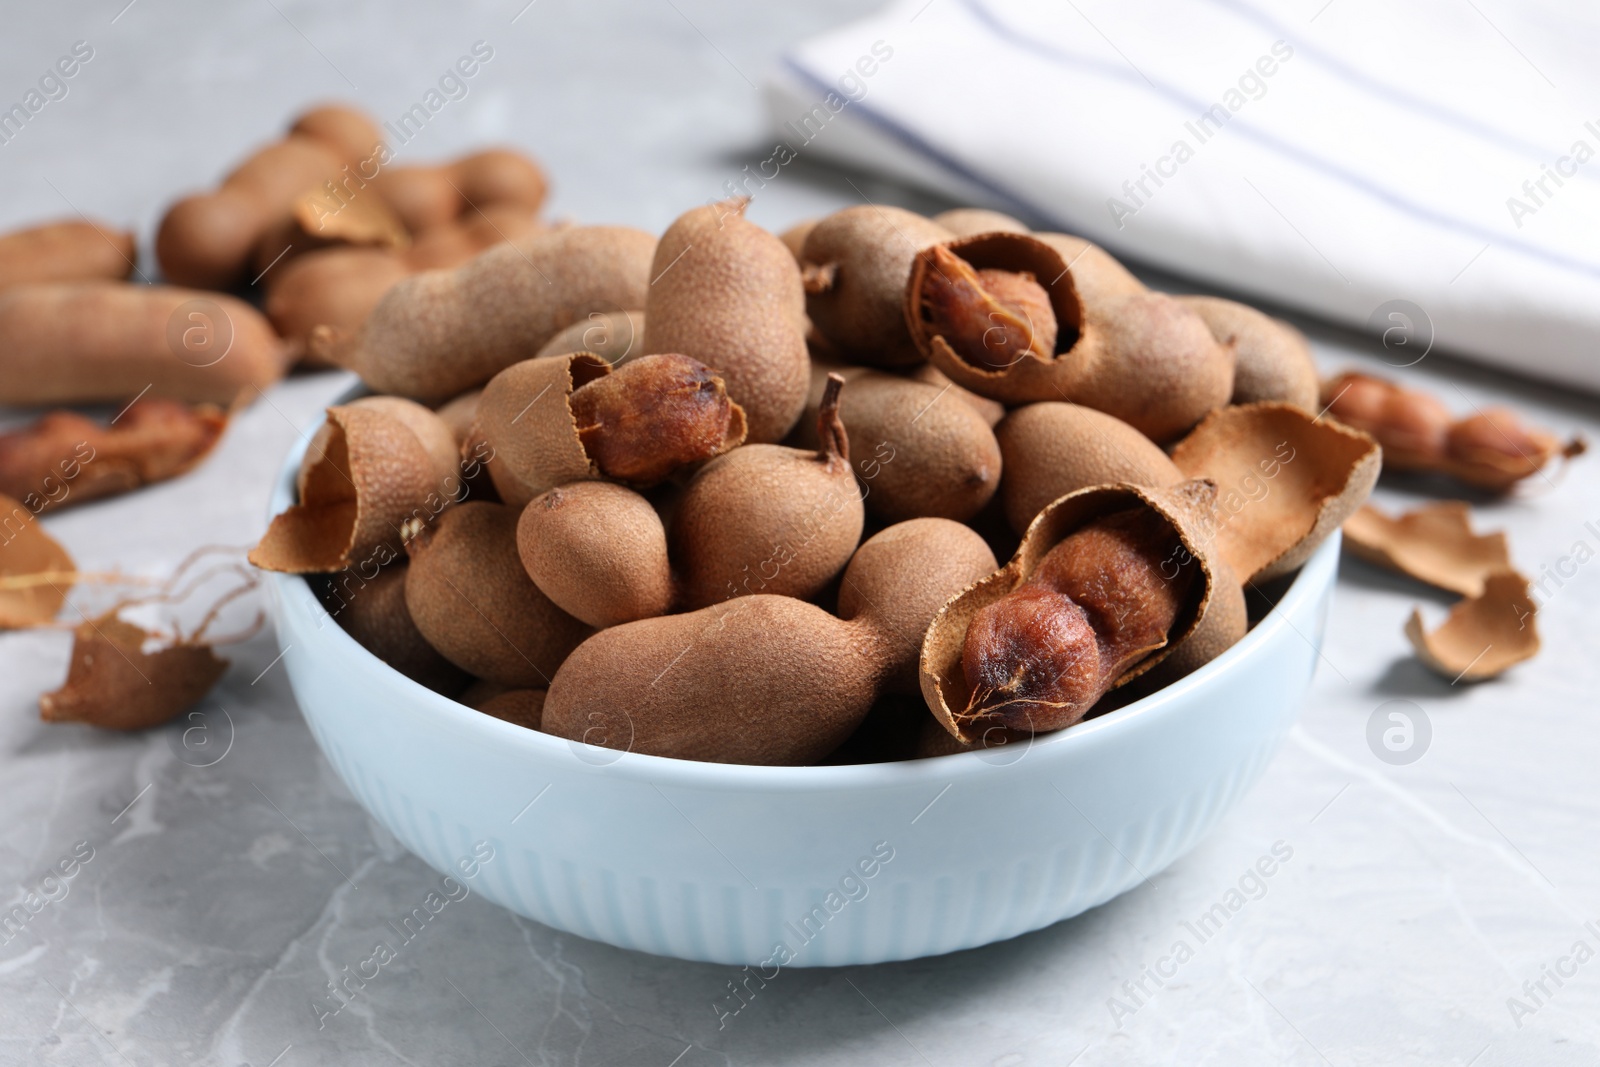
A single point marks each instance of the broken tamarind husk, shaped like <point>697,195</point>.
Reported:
<point>1106,582</point>
<point>1433,543</point>
<point>1483,636</point>
<point>36,573</point>
<point>122,677</point>
<point>1002,315</point>
<point>1285,482</point>
<point>65,458</point>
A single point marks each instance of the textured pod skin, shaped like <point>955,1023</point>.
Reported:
<point>919,450</point>
<point>430,196</point>
<point>375,614</point>
<point>69,251</point>
<point>472,600</point>
<point>432,432</point>
<point>440,333</point>
<point>89,342</point>
<point>1285,481</point>
<point>728,293</point>
<point>1185,509</point>
<point>526,417</point>
<point>857,261</point>
<point>1140,355</point>
<point>1052,449</point>
<point>363,480</point>
<point>1097,275</point>
<point>598,551</point>
<point>966,221</point>
<point>769,519</point>
<point>764,679</point>
<point>614,336</point>
<point>335,287</point>
<point>1272,360</point>
<point>991,411</point>
<point>207,241</point>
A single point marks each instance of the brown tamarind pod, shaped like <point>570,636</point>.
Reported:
<point>1097,275</point>
<point>917,449</point>
<point>470,597</point>
<point>1491,449</point>
<point>1272,360</point>
<point>208,241</point>
<point>374,612</point>
<point>614,336</point>
<point>967,221</point>
<point>520,707</point>
<point>768,518</point>
<point>439,333</point>
<point>69,251</point>
<point>991,411</point>
<point>91,342</point>
<point>1285,481</point>
<point>766,679</point>
<point>1106,582</point>
<point>856,263</point>
<point>1052,449</point>
<point>335,287</point>
<point>794,238</point>
<point>727,293</point>
<point>598,551</point>
<point>1001,315</point>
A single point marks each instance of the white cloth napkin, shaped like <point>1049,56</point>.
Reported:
<point>1428,168</point>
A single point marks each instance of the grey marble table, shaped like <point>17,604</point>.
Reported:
<point>1417,901</point>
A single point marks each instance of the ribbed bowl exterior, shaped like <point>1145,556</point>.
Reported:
<point>803,866</point>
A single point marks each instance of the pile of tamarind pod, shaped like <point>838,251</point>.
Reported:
<point>746,501</point>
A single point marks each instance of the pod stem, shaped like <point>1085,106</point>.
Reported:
<point>835,447</point>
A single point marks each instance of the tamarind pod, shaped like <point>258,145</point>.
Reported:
<point>614,336</point>
<point>966,221</point>
<point>455,242</point>
<point>728,293</point>
<point>374,612</point>
<point>68,251</point>
<point>1490,449</point>
<point>765,679</point>
<point>429,196</point>
<point>1052,449</point>
<point>87,342</point>
<point>207,241</point>
<point>335,287</point>
<point>856,263</point>
<point>1097,275</point>
<point>442,332</point>
<point>1272,360</point>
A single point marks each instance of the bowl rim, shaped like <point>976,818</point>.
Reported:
<point>1081,740</point>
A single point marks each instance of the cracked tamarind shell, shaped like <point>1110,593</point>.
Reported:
<point>1272,360</point>
<point>471,599</point>
<point>369,475</point>
<point>1051,449</point>
<point>726,292</point>
<point>1185,509</point>
<point>117,681</point>
<point>766,679</point>
<point>433,433</point>
<point>1138,355</point>
<point>856,263</point>
<point>919,450</point>
<point>525,416</point>
<point>1285,481</point>
<point>441,332</point>
<point>27,550</point>
<point>599,551</point>
<point>769,518</point>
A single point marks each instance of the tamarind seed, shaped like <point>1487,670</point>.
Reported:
<point>654,415</point>
<point>1099,601</point>
<point>991,318</point>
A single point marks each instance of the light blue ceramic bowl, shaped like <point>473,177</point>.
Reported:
<point>802,866</point>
